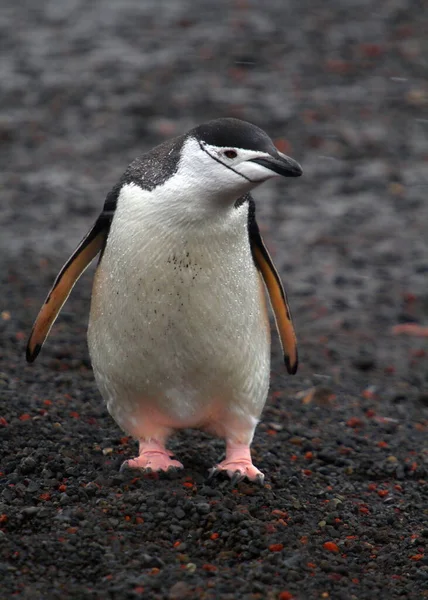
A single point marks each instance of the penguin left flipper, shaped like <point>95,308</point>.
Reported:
<point>87,250</point>
<point>277,295</point>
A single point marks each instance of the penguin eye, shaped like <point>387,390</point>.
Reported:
<point>230,153</point>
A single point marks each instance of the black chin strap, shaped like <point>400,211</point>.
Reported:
<point>224,165</point>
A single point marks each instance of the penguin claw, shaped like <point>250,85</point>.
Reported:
<point>213,472</point>
<point>237,477</point>
<point>260,479</point>
<point>124,467</point>
<point>173,471</point>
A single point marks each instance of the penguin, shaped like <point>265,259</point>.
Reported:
<point>179,333</point>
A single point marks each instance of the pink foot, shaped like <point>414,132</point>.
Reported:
<point>238,465</point>
<point>154,457</point>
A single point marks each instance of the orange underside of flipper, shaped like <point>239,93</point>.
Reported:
<point>279,306</point>
<point>64,283</point>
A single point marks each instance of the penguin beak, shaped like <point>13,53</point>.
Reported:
<point>281,164</point>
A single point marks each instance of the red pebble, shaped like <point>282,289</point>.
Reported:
<point>279,513</point>
<point>283,145</point>
<point>139,589</point>
<point>276,547</point>
<point>331,547</point>
<point>371,50</point>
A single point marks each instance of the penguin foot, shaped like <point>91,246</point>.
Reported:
<point>238,464</point>
<point>153,457</point>
<point>152,462</point>
<point>238,471</point>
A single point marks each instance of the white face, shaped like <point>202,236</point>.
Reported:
<point>226,173</point>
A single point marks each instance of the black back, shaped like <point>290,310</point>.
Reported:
<point>149,171</point>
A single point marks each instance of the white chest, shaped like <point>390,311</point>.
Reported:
<point>160,268</point>
<point>178,309</point>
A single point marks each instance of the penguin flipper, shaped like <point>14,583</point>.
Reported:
<point>86,251</point>
<point>277,295</point>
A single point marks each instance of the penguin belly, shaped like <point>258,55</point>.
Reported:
<point>178,331</point>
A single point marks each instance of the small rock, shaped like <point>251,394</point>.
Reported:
<point>148,561</point>
<point>27,465</point>
<point>179,590</point>
<point>203,508</point>
<point>30,511</point>
<point>365,361</point>
<point>423,397</point>
<point>179,513</point>
<point>191,567</point>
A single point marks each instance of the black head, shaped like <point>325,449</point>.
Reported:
<point>234,133</point>
<point>229,135</point>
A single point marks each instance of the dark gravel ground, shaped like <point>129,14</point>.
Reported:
<point>342,87</point>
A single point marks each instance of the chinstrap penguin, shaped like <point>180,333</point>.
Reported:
<point>179,331</point>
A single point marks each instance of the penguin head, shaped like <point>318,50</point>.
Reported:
<point>230,157</point>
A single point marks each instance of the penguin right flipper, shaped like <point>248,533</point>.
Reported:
<point>277,295</point>
<point>87,250</point>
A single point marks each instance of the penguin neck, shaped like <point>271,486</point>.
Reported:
<point>174,206</point>
<point>154,223</point>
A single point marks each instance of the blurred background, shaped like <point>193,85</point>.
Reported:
<point>340,86</point>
